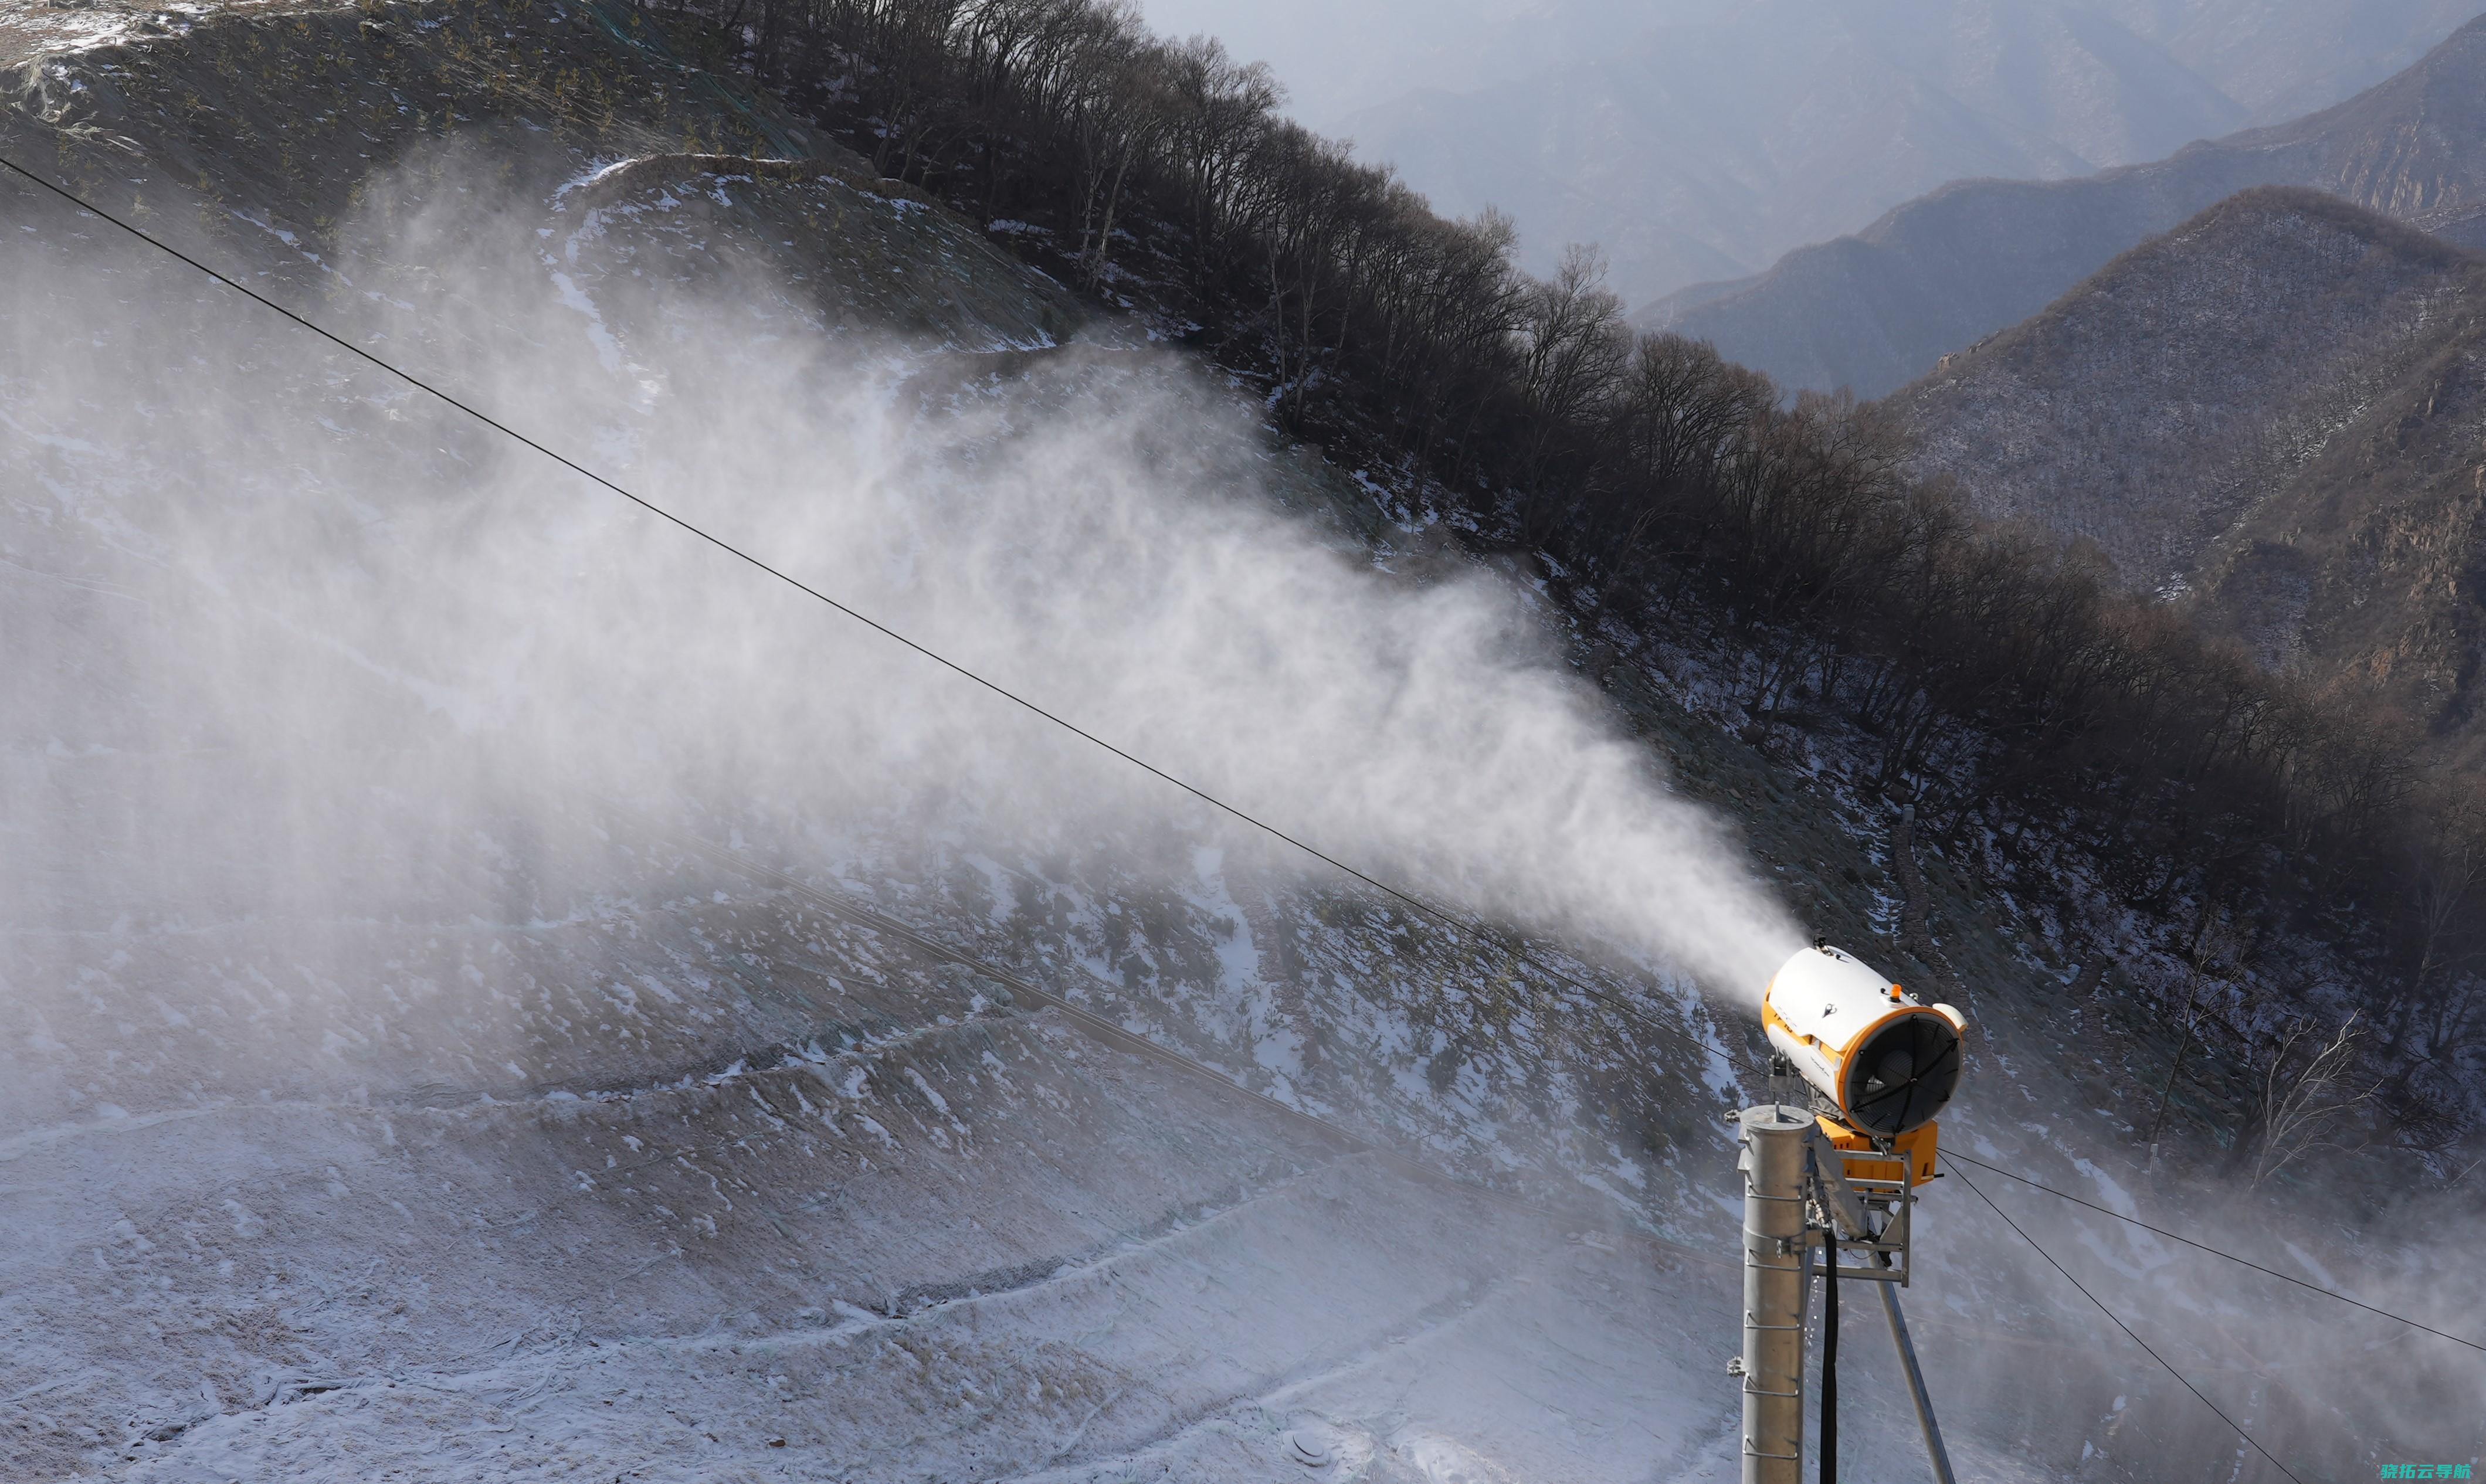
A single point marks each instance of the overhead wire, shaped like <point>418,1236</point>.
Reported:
<point>2118,1323</point>
<point>2215,1251</point>
<point>1449,920</point>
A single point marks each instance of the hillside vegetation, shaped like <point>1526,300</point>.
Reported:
<point>1871,312</point>
<point>2007,679</point>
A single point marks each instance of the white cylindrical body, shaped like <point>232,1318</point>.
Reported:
<point>1773,1282</point>
<point>1890,1061</point>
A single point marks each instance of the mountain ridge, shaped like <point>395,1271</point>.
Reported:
<point>2270,412</point>
<point>1680,171</point>
<point>1871,311</point>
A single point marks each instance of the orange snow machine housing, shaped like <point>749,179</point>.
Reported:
<point>1885,1059</point>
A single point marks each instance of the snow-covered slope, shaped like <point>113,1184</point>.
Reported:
<point>391,1091</point>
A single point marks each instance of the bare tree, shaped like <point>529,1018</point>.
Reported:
<point>2307,1088</point>
<point>1573,351</point>
<point>2216,937</point>
<point>1119,113</point>
<point>2441,932</point>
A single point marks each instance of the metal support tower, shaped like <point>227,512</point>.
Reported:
<point>1775,1274</point>
<point>1937,1457</point>
<point>1799,1194</point>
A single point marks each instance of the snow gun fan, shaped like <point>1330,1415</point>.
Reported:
<point>1887,1061</point>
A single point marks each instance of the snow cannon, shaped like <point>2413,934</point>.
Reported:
<point>1885,1061</point>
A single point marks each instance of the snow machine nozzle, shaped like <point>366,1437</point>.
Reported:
<point>1888,1062</point>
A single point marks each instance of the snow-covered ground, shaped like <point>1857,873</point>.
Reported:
<point>986,1249</point>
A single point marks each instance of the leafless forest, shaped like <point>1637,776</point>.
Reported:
<point>2012,687</point>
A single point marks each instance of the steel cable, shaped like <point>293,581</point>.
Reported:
<point>2196,1391</point>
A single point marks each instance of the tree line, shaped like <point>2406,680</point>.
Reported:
<point>2002,670</point>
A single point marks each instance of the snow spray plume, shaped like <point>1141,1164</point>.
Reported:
<point>345,622</point>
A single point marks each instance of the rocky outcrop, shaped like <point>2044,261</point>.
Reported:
<point>618,181</point>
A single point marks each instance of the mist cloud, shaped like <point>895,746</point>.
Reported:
<point>304,625</point>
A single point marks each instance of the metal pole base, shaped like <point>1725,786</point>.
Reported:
<point>1774,1282</point>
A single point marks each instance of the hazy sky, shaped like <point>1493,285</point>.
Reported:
<point>2278,58</point>
<point>1697,140</point>
<point>1337,56</point>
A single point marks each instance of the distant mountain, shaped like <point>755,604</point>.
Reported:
<point>2277,410</point>
<point>1697,142</point>
<point>1708,148</point>
<point>1871,311</point>
<point>2281,60</point>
